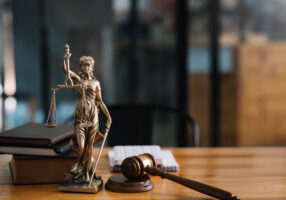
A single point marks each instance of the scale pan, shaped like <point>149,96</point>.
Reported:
<point>51,125</point>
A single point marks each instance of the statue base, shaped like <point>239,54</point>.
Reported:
<point>119,183</point>
<point>71,186</point>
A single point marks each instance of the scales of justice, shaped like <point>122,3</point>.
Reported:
<point>82,176</point>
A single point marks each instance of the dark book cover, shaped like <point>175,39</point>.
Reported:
<point>36,135</point>
<point>56,150</point>
<point>40,170</point>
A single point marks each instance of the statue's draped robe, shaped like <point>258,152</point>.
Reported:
<point>86,112</point>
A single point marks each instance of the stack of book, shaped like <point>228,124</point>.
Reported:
<point>40,155</point>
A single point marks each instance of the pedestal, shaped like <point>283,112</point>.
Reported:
<point>94,187</point>
<point>119,183</point>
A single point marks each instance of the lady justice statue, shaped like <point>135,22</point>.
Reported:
<point>82,177</point>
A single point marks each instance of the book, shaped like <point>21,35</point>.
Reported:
<point>40,170</point>
<point>56,150</point>
<point>36,134</point>
<point>36,139</point>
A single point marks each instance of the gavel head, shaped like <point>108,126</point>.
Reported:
<point>134,167</point>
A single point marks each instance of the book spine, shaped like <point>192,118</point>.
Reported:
<point>40,171</point>
<point>25,142</point>
<point>61,137</point>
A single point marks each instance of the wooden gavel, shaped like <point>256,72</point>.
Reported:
<point>137,166</point>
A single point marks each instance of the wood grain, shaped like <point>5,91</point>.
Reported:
<point>261,94</point>
<point>252,97</point>
<point>199,106</point>
<point>249,173</point>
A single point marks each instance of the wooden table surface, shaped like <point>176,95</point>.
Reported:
<point>249,173</point>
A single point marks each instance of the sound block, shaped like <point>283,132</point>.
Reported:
<point>119,183</point>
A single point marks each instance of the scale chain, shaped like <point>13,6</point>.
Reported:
<point>53,110</point>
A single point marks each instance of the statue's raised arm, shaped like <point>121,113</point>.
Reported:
<point>70,75</point>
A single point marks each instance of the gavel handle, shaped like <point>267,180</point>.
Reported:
<point>197,186</point>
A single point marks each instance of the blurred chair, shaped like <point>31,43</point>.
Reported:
<point>133,124</point>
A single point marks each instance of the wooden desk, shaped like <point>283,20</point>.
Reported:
<point>249,173</point>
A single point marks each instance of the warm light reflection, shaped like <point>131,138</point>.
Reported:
<point>1,89</point>
<point>8,55</point>
<point>10,104</point>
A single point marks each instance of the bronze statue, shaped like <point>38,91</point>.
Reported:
<point>86,126</point>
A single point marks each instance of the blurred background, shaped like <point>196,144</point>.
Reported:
<point>222,61</point>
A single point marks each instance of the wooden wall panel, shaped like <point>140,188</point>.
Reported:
<point>199,106</point>
<point>261,73</point>
<point>252,99</point>
<point>198,98</point>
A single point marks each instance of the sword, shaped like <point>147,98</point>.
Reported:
<point>99,154</point>
<point>67,61</point>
